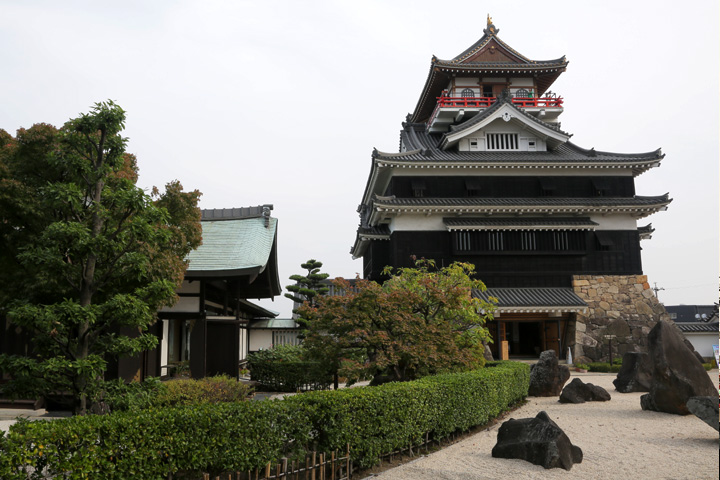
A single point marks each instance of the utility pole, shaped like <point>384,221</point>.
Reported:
<point>656,290</point>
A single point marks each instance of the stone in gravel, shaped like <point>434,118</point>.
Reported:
<point>537,440</point>
<point>635,375</point>
<point>677,374</point>
<point>547,377</point>
<point>706,409</point>
<point>579,392</point>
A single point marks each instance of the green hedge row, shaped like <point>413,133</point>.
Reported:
<point>149,444</point>
<point>290,376</point>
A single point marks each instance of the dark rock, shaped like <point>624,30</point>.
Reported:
<point>547,377</point>
<point>579,392</point>
<point>635,375</point>
<point>677,374</point>
<point>706,409</point>
<point>692,349</point>
<point>537,440</point>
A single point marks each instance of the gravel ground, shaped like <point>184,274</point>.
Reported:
<point>618,439</point>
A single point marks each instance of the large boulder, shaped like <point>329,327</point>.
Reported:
<point>635,375</point>
<point>579,392</point>
<point>547,377</point>
<point>537,440</point>
<point>677,374</point>
<point>706,409</point>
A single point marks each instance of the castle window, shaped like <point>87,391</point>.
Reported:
<point>418,187</point>
<point>495,241</point>
<point>473,187</point>
<point>547,187</point>
<point>527,241</point>
<point>604,241</point>
<point>600,187</point>
<point>487,91</point>
<point>560,241</point>
<point>502,141</point>
<point>467,93</point>
<point>523,93</point>
<point>462,241</point>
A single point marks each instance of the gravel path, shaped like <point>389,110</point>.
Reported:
<point>618,439</point>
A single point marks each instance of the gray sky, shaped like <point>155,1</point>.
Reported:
<point>282,102</point>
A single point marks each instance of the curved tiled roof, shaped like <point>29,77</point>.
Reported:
<point>532,201</point>
<point>533,298</point>
<point>576,223</point>
<point>233,246</point>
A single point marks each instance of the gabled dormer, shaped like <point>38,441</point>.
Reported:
<point>464,86</point>
<point>503,127</point>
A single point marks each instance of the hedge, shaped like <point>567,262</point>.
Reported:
<point>152,443</point>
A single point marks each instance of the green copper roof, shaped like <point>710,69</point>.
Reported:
<point>233,247</point>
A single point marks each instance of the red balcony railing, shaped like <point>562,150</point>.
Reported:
<point>484,102</point>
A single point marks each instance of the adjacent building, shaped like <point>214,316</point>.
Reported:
<point>485,174</point>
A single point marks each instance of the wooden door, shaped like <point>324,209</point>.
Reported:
<point>551,336</point>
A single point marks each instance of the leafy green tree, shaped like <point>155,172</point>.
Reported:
<point>421,321</point>
<point>308,288</point>
<point>87,257</point>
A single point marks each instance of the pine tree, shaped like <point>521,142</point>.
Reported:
<point>307,288</point>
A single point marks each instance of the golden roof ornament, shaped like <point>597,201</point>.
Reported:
<point>491,29</point>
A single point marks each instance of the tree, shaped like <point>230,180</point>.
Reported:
<point>86,255</point>
<point>307,288</point>
<point>421,321</point>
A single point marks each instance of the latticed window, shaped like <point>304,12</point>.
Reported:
<point>285,337</point>
<point>523,93</point>
<point>560,241</point>
<point>462,242</point>
<point>502,141</point>
<point>467,93</point>
<point>495,241</point>
<point>528,241</point>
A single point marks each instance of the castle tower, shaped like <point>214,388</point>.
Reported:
<point>485,174</point>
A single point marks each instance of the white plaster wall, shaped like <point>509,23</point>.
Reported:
<point>521,82</point>
<point>260,339</point>
<point>184,304</point>
<point>243,344</point>
<point>189,287</point>
<point>494,79</point>
<point>703,342</point>
<point>164,346</point>
<point>417,223</point>
<point>614,222</point>
<point>466,82</point>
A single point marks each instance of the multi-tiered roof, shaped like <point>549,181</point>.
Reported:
<point>487,87</point>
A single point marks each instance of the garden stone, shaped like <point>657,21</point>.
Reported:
<point>547,377</point>
<point>579,392</point>
<point>677,374</point>
<point>706,409</point>
<point>635,375</point>
<point>538,440</point>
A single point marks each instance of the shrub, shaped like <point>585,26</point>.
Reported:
<point>205,390</point>
<point>154,443</point>
<point>122,396</point>
<point>285,369</point>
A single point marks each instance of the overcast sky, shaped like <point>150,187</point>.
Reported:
<point>282,102</point>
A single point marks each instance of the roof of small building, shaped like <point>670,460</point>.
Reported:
<point>698,327</point>
<point>274,324</point>
<point>533,299</point>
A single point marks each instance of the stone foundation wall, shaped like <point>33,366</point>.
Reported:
<point>620,305</point>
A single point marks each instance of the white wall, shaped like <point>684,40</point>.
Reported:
<point>260,339</point>
<point>703,342</point>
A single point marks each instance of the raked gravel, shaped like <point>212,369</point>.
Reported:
<point>618,439</point>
